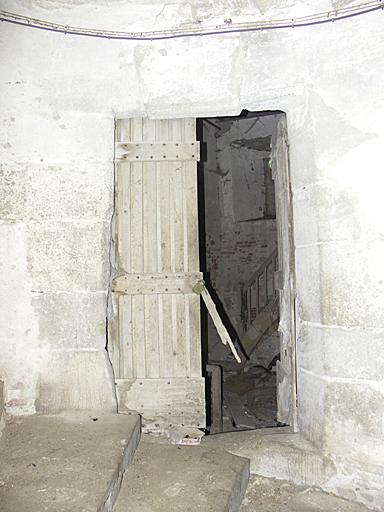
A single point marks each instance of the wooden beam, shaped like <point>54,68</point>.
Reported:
<point>163,403</point>
<point>157,151</point>
<point>140,284</point>
<point>215,374</point>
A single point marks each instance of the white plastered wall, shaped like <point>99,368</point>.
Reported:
<point>60,95</point>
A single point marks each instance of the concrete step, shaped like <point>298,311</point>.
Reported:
<point>65,463</point>
<point>169,478</point>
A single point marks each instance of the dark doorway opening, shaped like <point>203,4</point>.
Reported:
<point>239,259</point>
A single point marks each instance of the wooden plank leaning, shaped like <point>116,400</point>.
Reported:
<point>200,289</point>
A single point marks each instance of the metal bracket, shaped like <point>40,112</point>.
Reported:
<point>199,287</point>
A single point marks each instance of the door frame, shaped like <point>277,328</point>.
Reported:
<point>286,276</point>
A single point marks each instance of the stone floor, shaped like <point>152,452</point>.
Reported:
<point>269,495</point>
<point>75,463</point>
<point>166,478</point>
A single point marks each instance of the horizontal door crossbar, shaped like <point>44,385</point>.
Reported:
<point>157,151</point>
<point>145,284</point>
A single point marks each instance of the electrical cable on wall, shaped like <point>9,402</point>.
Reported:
<point>227,28</point>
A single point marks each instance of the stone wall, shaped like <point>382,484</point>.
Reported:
<point>60,95</point>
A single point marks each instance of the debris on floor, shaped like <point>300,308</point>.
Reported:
<point>249,391</point>
<point>249,398</point>
<point>186,436</point>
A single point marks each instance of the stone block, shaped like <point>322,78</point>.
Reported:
<point>319,154</point>
<point>327,211</point>
<point>308,278</point>
<point>277,453</point>
<point>264,62</point>
<point>303,168</point>
<point>342,283</point>
<point>343,418</point>
<point>68,256</point>
<point>225,84</point>
<point>66,88</point>
<point>13,197</point>
<point>353,418</point>
<point>65,191</point>
<point>19,353</point>
<point>76,380</point>
<point>310,407</point>
<point>50,137</point>
<point>359,482</point>
<point>71,320</point>
<point>164,477</point>
<point>340,352</point>
<point>66,462</point>
<point>352,289</point>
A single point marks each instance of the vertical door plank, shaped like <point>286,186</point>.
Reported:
<point>164,222</point>
<point>191,206</point>
<point>149,204</point>
<point>136,232</point>
<point>123,217</point>
<point>176,182</point>
<point>194,323</point>
<point>126,339</point>
<point>151,336</point>
<point>184,166</point>
<point>187,336</point>
<point>162,354</point>
<point>166,337</point>
<point>114,335</point>
<point>123,129</point>
<point>138,334</point>
<point>180,359</point>
<point>174,333</point>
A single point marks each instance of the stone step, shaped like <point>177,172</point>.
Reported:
<point>169,478</point>
<point>65,463</point>
<point>280,454</point>
<point>277,453</point>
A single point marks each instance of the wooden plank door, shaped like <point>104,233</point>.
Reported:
<point>286,367</point>
<point>156,348</point>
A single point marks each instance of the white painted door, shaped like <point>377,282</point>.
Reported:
<point>286,367</point>
<point>155,346</point>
